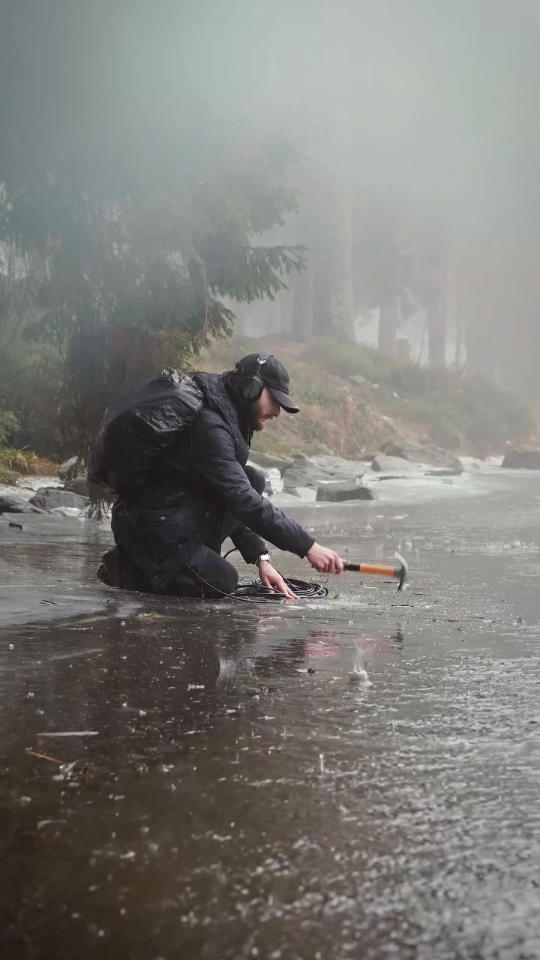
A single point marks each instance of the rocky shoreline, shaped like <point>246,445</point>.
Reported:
<point>323,479</point>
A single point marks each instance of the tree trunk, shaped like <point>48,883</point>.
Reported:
<point>388,324</point>
<point>459,337</point>
<point>285,307</point>
<point>436,324</point>
<point>302,299</point>
<point>339,230</point>
<point>328,231</point>
<point>239,310</point>
<point>321,326</point>
<point>477,344</point>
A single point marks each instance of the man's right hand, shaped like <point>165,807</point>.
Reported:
<point>325,560</point>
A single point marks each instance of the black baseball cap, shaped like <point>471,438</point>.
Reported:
<point>273,374</point>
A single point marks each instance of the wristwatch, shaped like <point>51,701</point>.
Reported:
<point>263,556</point>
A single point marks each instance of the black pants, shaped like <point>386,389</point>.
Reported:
<point>205,573</point>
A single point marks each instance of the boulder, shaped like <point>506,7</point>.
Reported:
<point>439,460</point>
<point>395,449</point>
<point>49,498</point>
<point>396,467</point>
<point>307,494</point>
<point>434,457</point>
<point>9,504</point>
<point>267,461</point>
<point>340,492</point>
<point>525,459</point>
<point>312,471</point>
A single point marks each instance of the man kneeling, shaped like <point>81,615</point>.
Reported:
<point>170,533</point>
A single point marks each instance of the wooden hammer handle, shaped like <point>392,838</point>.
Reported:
<point>375,569</point>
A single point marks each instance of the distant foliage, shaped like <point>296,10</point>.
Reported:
<point>8,426</point>
<point>455,409</point>
<point>30,385</point>
<point>136,212</point>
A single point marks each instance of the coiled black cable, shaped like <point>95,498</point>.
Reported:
<point>256,590</point>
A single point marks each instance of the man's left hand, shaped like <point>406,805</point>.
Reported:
<point>274,581</point>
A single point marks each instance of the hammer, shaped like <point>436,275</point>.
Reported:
<point>398,571</point>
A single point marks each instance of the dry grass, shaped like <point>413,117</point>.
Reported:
<point>337,416</point>
<point>24,463</point>
<point>400,401</point>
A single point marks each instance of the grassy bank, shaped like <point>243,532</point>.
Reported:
<point>15,464</point>
<point>354,400</point>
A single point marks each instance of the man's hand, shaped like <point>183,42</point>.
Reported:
<point>274,581</point>
<point>325,560</point>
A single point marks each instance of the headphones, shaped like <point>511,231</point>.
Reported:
<point>253,386</point>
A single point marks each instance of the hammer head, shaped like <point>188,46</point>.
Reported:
<point>403,572</point>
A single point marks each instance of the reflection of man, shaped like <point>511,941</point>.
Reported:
<point>169,536</point>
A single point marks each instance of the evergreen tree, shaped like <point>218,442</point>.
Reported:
<point>139,201</point>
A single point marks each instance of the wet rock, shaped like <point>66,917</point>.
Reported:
<point>50,498</point>
<point>441,460</point>
<point>435,457</point>
<point>70,513</point>
<point>14,504</point>
<point>312,471</point>
<point>268,488</point>
<point>396,467</point>
<point>340,492</point>
<point>440,472</point>
<point>18,526</point>
<point>269,462</point>
<point>522,459</point>
<point>395,449</point>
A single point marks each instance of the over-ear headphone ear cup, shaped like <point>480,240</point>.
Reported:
<point>253,389</point>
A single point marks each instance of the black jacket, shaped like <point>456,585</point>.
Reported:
<point>202,482</point>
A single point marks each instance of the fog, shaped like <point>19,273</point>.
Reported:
<point>391,149</point>
<point>276,767</point>
<point>418,128</point>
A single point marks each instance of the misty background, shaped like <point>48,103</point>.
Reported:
<point>361,174</point>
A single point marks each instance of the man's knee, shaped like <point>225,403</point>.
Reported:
<point>216,580</point>
<point>226,579</point>
<point>213,575</point>
<point>256,479</point>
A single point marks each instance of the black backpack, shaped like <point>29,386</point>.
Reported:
<point>138,427</point>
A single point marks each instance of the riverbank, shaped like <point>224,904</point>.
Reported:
<point>48,562</point>
<point>355,401</point>
<point>221,783</point>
